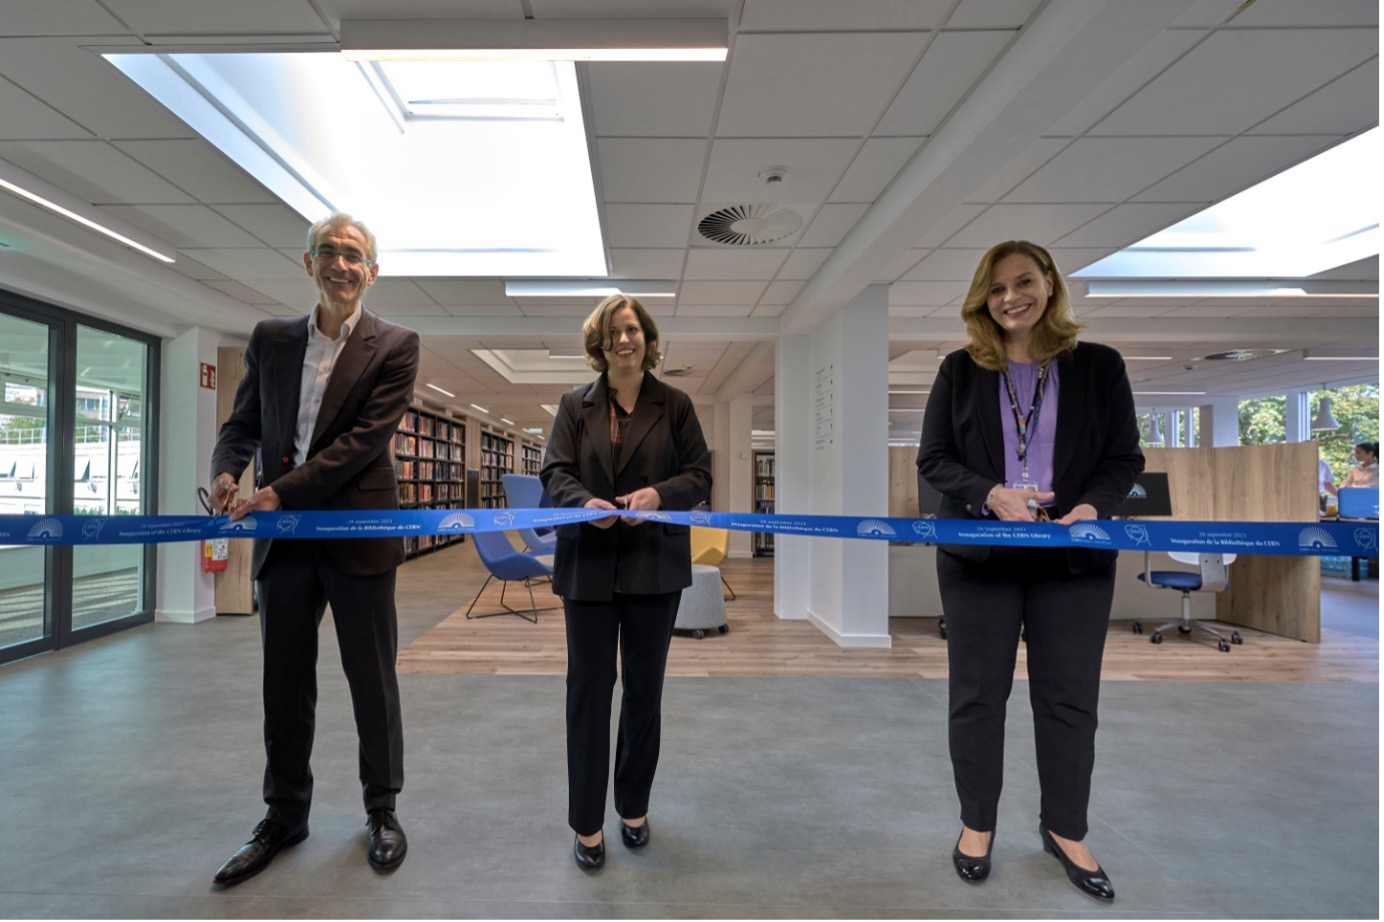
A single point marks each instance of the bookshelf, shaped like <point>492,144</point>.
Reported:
<point>429,462</point>
<point>532,459</point>
<point>763,499</point>
<point>497,459</point>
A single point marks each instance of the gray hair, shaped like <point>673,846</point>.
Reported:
<point>342,219</point>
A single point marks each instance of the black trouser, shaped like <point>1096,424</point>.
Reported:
<point>1066,617</point>
<point>641,626</point>
<point>295,586</point>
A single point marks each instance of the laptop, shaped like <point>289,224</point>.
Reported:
<point>1358,503</point>
<point>1149,496</point>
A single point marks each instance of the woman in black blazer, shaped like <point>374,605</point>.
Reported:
<point>625,441</point>
<point>1027,424</point>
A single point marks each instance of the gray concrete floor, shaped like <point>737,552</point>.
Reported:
<point>133,767</point>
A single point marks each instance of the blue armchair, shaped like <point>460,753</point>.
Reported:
<point>525,491</point>
<point>508,565</point>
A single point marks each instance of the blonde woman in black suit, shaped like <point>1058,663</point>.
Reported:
<point>625,441</point>
<point>1027,423</point>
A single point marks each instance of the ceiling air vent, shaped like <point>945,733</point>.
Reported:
<point>749,225</point>
<point>1241,355</point>
<point>680,371</point>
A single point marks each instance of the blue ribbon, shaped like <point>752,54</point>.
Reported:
<point>1345,539</point>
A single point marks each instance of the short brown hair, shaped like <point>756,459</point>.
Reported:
<point>1056,330</point>
<point>595,332</point>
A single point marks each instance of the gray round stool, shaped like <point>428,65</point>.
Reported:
<point>702,607</point>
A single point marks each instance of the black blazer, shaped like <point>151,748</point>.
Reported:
<point>1096,454</point>
<point>349,464</point>
<point>663,449</point>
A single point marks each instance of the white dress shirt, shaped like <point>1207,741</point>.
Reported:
<point>318,361</point>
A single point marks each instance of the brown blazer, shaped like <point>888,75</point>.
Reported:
<point>664,449</point>
<point>349,464</point>
<point>1096,454</point>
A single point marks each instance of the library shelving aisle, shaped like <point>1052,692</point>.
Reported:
<point>764,499</point>
<point>532,459</point>
<point>429,462</point>
<point>497,459</point>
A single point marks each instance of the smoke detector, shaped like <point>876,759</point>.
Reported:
<point>749,225</point>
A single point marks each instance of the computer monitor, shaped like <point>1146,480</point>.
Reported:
<point>1358,502</point>
<point>1149,496</point>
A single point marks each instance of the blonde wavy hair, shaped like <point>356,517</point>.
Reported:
<point>1055,332</point>
<point>595,332</point>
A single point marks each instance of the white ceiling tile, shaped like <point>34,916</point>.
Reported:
<point>577,311</point>
<point>1312,15</point>
<point>86,89</point>
<point>196,270</point>
<point>507,309</point>
<point>781,292</point>
<point>629,9</point>
<point>768,310</point>
<point>778,84</point>
<point>185,225</point>
<point>94,171</point>
<point>200,170</point>
<point>812,168</point>
<point>739,309</point>
<point>298,293</point>
<point>277,225</point>
<point>1028,160</point>
<point>646,263</point>
<point>1344,106</point>
<point>1207,13</point>
<point>400,312</point>
<point>650,169</point>
<point>240,292</point>
<point>831,224</point>
<point>638,99</point>
<point>1144,65</point>
<point>950,265</point>
<point>1236,165</point>
<point>931,294</point>
<point>402,292</point>
<point>158,17</point>
<point>952,64</point>
<point>1074,259</point>
<point>992,14</point>
<point>251,265</point>
<point>720,293</point>
<point>873,168</point>
<point>803,263</point>
<point>466,291</point>
<point>733,264</point>
<point>648,225</point>
<point>835,16</point>
<point>955,219</point>
<point>1235,79</point>
<point>1042,224</point>
<point>899,265</point>
<point>1109,169</point>
<point>27,117</point>
<point>58,17</point>
<point>336,10</point>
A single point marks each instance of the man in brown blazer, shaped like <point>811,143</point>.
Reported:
<point>321,399</point>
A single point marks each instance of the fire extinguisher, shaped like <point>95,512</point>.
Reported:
<point>216,552</point>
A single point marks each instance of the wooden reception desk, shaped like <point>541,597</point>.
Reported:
<point>1251,483</point>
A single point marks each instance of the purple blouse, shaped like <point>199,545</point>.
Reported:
<point>1040,448</point>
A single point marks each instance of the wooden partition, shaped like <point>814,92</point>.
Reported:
<point>1254,483</point>
<point>234,593</point>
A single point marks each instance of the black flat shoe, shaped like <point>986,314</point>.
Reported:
<point>268,839</point>
<point>1092,883</point>
<point>589,857</point>
<point>388,844</point>
<point>634,836</point>
<point>969,868</point>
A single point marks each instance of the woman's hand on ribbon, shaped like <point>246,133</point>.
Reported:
<point>1012,505</point>
<point>596,502</point>
<point>645,499</point>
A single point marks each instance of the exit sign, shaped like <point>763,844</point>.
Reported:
<point>208,376</point>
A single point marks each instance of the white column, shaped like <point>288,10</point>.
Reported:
<point>187,424</point>
<point>1297,417</point>
<point>792,474</point>
<point>1220,423</point>
<point>845,452</point>
<point>740,476</point>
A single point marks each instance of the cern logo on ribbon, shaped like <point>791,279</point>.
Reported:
<point>1087,533</point>
<point>91,529</point>
<point>289,523</point>
<point>246,524</point>
<point>457,521</point>
<point>874,527</point>
<point>1138,534</point>
<point>925,530</point>
<point>1365,538</point>
<point>701,518</point>
<point>504,519</point>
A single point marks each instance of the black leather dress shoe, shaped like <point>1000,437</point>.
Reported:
<point>1092,883</point>
<point>388,844</point>
<point>589,857</point>
<point>970,868</point>
<point>635,836</point>
<point>254,856</point>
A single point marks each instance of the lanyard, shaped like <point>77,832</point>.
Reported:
<point>1026,422</point>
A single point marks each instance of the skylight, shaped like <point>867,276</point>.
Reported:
<point>1315,216</point>
<point>460,168</point>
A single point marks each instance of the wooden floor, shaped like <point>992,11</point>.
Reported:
<point>760,644</point>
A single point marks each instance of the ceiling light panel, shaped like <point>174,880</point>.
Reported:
<point>535,39</point>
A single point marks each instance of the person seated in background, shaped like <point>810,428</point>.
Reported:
<point>1366,471</point>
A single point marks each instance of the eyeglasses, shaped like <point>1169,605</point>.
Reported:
<point>329,254</point>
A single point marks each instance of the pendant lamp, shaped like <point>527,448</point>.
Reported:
<point>1324,421</point>
<point>1155,436</point>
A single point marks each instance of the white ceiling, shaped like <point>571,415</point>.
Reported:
<point>914,134</point>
